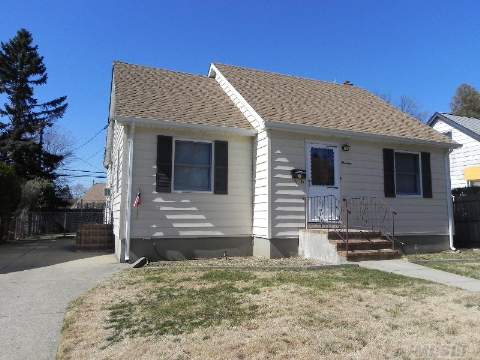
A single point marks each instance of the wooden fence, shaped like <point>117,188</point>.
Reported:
<point>51,222</point>
<point>466,213</point>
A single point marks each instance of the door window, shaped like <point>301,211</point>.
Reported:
<point>322,166</point>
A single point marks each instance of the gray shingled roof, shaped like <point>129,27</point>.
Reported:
<point>150,93</point>
<point>472,124</point>
<point>292,100</point>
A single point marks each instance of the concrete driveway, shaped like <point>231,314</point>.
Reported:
<point>37,281</point>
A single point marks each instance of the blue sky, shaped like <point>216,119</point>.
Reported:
<point>422,49</point>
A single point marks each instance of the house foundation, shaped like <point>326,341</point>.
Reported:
<point>156,249</point>
<point>275,248</point>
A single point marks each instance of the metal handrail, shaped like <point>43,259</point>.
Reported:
<point>328,213</point>
<point>360,213</point>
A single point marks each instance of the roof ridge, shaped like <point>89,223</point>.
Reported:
<point>118,62</point>
<point>340,85</point>
<point>282,74</point>
<point>355,87</point>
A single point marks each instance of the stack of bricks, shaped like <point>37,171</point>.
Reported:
<point>95,237</point>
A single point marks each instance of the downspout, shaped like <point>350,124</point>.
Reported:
<point>448,193</point>
<point>128,211</point>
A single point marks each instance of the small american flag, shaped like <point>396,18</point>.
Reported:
<point>138,200</point>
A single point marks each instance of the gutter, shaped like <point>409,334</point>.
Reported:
<point>314,130</point>
<point>448,193</point>
<point>128,210</point>
<point>166,124</point>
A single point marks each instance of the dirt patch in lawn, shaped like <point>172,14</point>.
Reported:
<point>178,312</point>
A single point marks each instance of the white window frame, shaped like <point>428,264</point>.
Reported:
<point>172,184</point>
<point>420,194</point>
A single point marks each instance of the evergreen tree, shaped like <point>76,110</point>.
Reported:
<point>466,102</point>
<point>10,193</point>
<point>21,135</point>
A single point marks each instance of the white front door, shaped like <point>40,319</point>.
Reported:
<point>323,182</point>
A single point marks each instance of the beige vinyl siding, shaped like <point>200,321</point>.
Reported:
<point>288,211</point>
<point>467,155</point>
<point>361,175</point>
<point>191,214</point>
<point>261,166</point>
<point>261,186</point>
<point>116,174</point>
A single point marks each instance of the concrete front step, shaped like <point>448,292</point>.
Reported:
<point>353,234</point>
<point>362,244</point>
<point>360,255</point>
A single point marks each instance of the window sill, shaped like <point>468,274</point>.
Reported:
<point>192,191</point>
<point>413,196</point>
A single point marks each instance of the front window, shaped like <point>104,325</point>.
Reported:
<point>407,173</point>
<point>192,166</point>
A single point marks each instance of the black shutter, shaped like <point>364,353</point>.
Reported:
<point>389,172</point>
<point>164,164</point>
<point>426,175</point>
<point>221,168</point>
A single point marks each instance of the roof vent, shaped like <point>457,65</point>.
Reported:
<point>347,82</point>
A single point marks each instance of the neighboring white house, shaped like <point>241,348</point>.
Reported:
<point>212,157</point>
<point>464,161</point>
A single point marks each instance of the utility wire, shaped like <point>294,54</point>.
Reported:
<point>82,176</point>
<point>86,162</point>
<point>94,154</point>
<point>91,139</point>
<point>85,171</point>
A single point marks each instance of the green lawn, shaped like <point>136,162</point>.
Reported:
<point>190,310</point>
<point>463,262</point>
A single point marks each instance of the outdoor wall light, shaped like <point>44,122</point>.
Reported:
<point>298,175</point>
<point>346,147</point>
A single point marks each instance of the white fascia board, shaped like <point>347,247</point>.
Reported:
<point>213,72</point>
<point>355,135</point>
<point>166,124</point>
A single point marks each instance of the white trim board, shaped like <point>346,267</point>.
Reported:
<point>247,110</point>
<point>347,134</point>
<point>172,124</point>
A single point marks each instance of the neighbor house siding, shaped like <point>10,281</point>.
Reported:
<point>361,175</point>
<point>261,166</point>
<point>467,155</point>
<point>190,214</point>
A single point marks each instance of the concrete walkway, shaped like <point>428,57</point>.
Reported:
<point>37,281</point>
<point>406,268</point>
